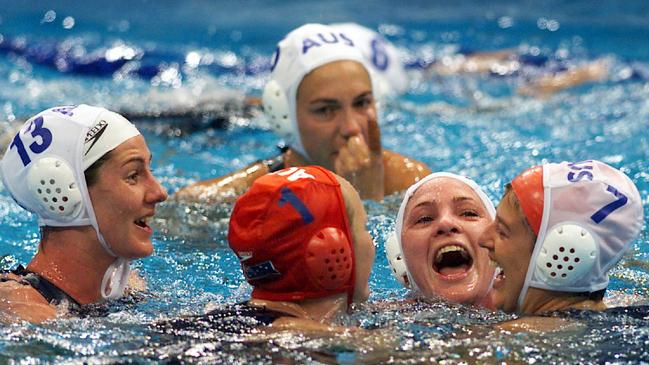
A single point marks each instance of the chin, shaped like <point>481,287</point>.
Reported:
<point>139,250</point>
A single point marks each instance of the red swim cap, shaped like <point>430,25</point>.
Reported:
<point>528,187</point>
<point>292,236</point>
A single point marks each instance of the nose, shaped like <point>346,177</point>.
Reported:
<point>486,238</point>
<point>156,192</point>
<point>351,123</point>
<point>447,224</point>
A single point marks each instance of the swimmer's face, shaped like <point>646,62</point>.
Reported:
<point>334,103</point>
<point>124,198</point>
<point>510,242</point>
<point>363,245</point>
<point>441,225</point>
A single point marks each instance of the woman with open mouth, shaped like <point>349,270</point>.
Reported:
<point>434,248</point>
<point>559,230</point>
<point>85,172</point>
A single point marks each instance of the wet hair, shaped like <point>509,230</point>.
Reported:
<point>92,172</point>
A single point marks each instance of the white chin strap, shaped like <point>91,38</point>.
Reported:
<point>115,279</point>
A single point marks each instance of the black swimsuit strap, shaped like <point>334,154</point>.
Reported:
<point>49,291</point>
<point>276,163</point>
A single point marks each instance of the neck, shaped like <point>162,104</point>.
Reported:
<point>72,259</point>
<point>322,310</point>
<point>539,301</point>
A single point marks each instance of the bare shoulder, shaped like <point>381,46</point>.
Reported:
<point>540,324</point>
<point>401,171</point>
<point>304,325</point>
<point>223,188</point>
<point>22,302</point>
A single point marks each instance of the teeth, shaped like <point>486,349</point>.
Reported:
<point>451,248</point>
<point>499,270</point>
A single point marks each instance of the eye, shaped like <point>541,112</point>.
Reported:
<point>470,213</point>
<point>132,177</point>
<point>424,219</point>
<point>363,102</point>
<point>501,232</point>
<point>325,112</point>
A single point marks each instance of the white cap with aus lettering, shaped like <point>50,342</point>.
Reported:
<point>300,52</point>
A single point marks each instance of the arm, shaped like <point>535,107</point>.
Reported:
<point>401,172</point>
<point>539,324</point>
<point>224,188</point>
<point>550,84</point>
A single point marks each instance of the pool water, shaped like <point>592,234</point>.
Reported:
<point>469,124</point>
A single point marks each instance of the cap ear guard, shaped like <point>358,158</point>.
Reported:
<point>329,259</point>
<point>53,185</point>
<point>276,107</point>
<point>395,259</point>
<point>568,252</point>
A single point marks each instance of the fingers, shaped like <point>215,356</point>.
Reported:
<point>374,136</point>
<point>353,156</point>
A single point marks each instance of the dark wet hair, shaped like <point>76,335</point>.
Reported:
<point>92,172</point>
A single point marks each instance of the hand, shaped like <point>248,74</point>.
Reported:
<point>361,163</point>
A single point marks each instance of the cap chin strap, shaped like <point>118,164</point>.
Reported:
<point>115,278</point>
<point>396,261</point>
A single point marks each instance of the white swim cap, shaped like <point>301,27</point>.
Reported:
<point>303,50</point>
<point>394,246</point>
<point>43,169</point>
<point>389,78</point>
<point>585,215</point>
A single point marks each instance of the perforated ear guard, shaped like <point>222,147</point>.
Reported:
<point>569,252</point>
<point>395,259</point>
<point>329,259</point>
<point>53,185</point>
<point>276,106</point>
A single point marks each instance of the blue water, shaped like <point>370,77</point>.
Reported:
<point>444,122</point>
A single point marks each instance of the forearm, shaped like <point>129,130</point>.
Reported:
<point>224,188</point>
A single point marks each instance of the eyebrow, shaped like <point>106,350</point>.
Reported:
<point>457,199</point>
<point>138,159</point>
<point>324,101</point>
<point>364,95</point>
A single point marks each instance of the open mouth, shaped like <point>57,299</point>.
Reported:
<point>452,260</point>
<point>142,223</point>
<point>500,274</point>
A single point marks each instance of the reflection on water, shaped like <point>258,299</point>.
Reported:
<point>467,124</point>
